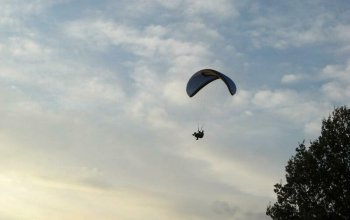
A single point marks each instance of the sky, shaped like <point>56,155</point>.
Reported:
<point>95,122</point>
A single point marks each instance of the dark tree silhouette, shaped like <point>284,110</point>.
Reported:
<point>318,177</point>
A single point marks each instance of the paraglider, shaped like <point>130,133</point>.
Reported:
<point>198,134</point>
<point>202,78</point>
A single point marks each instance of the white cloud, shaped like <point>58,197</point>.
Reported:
<point>156,30</point>
<point>335,91</point>
<point>152,83</point>
<point>159,118</point>
<point>145,78</point>
<point>221,9</point>
<point>27,49</point>
<point>279,31</point>
<point>313,129</point>
<point>270,99</point>
<point>14,14</point>
<point>229,172</point>
<point>286,33</point>
<point>337,86</point>
<point>174,92</point>
<point>337,72</point>
<point>342,32</point>
<point>289,107</point>
<point>149,43</point>
<point>51,200</point>
<point>94,90</point>
<point>285,37</point>
<point>192,9</point>
<point>242,101</point>
<point>11,73</point>
<point>201,29</point>
<point>290,78</point>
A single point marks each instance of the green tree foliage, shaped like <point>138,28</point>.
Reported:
<point>318,177</point>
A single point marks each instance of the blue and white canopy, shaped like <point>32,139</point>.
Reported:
<point>206,76</point>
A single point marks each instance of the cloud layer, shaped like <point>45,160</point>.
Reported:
<point>95,122</point>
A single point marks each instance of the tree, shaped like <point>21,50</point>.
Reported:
<point>318,177</point>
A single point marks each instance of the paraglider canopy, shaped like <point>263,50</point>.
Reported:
<point>206,76</point>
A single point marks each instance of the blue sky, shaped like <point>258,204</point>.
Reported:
<point>95,122</point>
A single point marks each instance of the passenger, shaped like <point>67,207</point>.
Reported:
<point>198,134</point>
